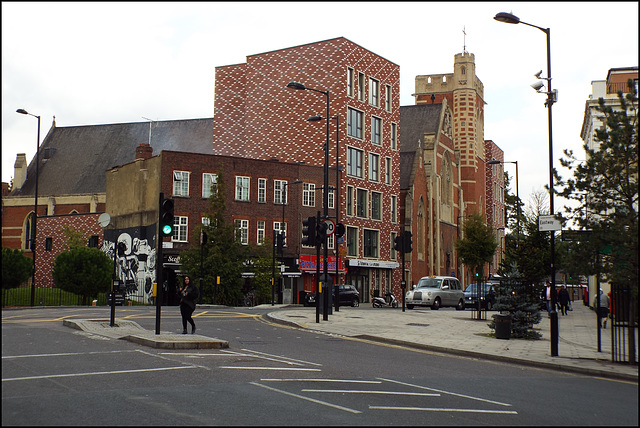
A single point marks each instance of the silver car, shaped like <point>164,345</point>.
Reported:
<point>436,291</point>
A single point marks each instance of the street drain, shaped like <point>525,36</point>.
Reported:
<point>418,325</point>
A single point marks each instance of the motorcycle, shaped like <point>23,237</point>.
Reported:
<point>379,302</point>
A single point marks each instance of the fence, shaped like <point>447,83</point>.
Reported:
<point>624,314</point>
<point>48,297</point>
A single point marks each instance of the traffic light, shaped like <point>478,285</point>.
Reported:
<point>309,231</point>
<point>408,241</point>
<point>398,246</point>
<point>280,241</point>
<point>340,230</point>
<point>166,217</point>
<point>321,232</point>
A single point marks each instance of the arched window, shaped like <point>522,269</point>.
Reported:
<point>27,227</point>
<point>420,229</point>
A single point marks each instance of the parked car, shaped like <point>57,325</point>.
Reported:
<point>487,296</point>
<point>436,292</point>
<point>347,294</point>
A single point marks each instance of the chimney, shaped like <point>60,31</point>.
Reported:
<point>144,151</point>
<point>20,171</point>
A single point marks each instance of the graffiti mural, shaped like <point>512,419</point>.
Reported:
<point>134,253</point>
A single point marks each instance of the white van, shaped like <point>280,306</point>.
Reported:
<point>436,291</point>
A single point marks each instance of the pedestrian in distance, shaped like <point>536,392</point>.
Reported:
<point>563,299</point>
<point>189,293</point>
<point>604,309</point>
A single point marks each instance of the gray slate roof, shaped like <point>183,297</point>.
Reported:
<point>415,121</point>
<point>84,153</point>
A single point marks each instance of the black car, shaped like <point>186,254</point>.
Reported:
<point>487,296</point>
<point>348,295</point>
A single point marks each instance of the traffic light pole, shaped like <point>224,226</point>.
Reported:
<point>159,267</point>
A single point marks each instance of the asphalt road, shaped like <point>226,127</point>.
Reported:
<point>275,375</point>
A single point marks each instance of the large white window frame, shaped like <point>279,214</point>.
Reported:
<point>260,230</point>
<point>280,192</point>
<point>308,195</point>
<point>242,225</point>
<point>209,184</point>
<point>262,190</point>
<point>180,229</point>
<point>243,187</point>
<point>181,183</point>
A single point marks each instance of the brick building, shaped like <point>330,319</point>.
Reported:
<point>72,181</point>
<point>431,193</point>
<point>256,116</point>
<point>255,192</point>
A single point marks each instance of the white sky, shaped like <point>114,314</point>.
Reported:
<point>98,63</point>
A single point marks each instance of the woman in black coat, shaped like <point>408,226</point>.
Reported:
<point>189,294</point>
<point>563,299</point>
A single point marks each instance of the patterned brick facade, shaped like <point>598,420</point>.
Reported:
<point>51,240</point>
<point>256,116</point>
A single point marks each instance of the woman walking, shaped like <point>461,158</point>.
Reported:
<point>189,294</point>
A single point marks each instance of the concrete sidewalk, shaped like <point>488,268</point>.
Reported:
<point>451,331</point>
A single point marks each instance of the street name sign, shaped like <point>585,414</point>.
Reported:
<point>547,223</point>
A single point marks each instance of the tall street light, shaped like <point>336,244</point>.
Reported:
<point>509,18</point>
<point>284,199</point>
<point>337,202</point>
<point>35,210</point>
<point>325,202</point>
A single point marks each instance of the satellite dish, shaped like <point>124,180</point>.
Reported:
<point>104,220</point>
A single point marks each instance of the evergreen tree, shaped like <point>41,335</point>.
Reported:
<point>478,245</point>
<point>226,257</point>
<point>605,187</point>
<point>16,268</point>
<point>84,271</point>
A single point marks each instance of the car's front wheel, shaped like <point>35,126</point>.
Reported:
<point>436,304</point>
<point>460,305</point>
<point>355,302</point>
<point>489,305</point>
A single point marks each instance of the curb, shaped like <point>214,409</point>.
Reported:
<point>478,355</point>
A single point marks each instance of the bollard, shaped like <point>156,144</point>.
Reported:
<point>94,303</point>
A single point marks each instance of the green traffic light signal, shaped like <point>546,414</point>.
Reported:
<point>166,217</point>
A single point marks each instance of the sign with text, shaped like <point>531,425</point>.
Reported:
<point>547,223</point>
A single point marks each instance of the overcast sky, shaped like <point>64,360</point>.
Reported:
<point>99,63</point>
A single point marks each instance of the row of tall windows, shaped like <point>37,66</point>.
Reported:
<point>355,128</point>
<point>357,85</point>
<point>367,204</point>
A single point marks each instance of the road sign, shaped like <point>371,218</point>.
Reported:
<point>331,226</point>
<point>548,223</point>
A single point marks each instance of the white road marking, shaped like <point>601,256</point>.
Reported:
<point>322,380</point>
<point>269,368</point>
<point>447,392</point>
<point>357,391</point>
<point>440,409</point>
<point>302,397</point>
<point>97,373</point>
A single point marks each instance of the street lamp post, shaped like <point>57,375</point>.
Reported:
<point>282,231</point>
<point>325,193</point>
<point>35,210</point>
<point>337,202</point>
<point>551,99</point>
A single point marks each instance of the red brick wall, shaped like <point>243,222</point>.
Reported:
<point>51,227</point>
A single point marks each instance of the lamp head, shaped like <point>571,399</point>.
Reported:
<point>538,85</point>
<point>315,118</point>
<point>22,111</point>
<point>296,85</point>
<point>494,162</point>
<point>507,18</point>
